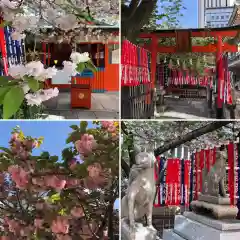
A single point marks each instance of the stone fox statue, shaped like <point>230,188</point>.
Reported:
<point>213,181</point>
<point>139,197</point>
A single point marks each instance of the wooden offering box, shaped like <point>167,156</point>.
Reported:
<point>81,94</point>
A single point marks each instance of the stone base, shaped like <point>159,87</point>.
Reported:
<point>214,200</point>
<point>214,210</point>
<point>142,233</point>
<point>196,227</point>
<point>169,234</point>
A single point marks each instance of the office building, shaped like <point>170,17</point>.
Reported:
<point>215,13</point>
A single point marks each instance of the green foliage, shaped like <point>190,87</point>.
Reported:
<point>33,84</point>
<point>89,65</point>
<point>165,15</point>
<point>12,101</point>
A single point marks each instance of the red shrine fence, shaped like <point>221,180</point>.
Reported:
<point>182,181</point>
<point>137,88</point>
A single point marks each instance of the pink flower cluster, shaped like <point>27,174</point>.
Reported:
<point>94,170</point>
<point>55,182</point>
<point>77,212</point>
<point>109,126</point>
<point>22,148</point>
<point>19,176</point>
<point>86,144</point>
<point>60,225</point>
<point>50,181</point>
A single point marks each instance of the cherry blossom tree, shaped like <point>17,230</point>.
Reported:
<point>161,136</point>
<point>42,197</point>
<point>68,19</point>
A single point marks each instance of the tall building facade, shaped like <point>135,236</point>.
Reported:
<point>215,13</point>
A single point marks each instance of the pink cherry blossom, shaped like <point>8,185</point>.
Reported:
<point>77,212</point>
<point>55,182</point>
<point>111,129</point>
<point>4,238</point>
<point>14,136</point>
<point>86,144</point>
<point>60,225</point>
<point>25,231</point>
<point>106,124</point>
<point>38,222</point>
<point>12,225</point>
<point>19,176</point>
<point>72,164</point>
<point>94,170</point>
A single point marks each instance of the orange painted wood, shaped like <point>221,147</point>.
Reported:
<point>81,80</point>
<point>211,48</point>
<point>203,33</point>
<point>111,78</point>
<point>154,45</point>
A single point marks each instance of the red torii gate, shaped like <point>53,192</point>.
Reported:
<point>184,45</point>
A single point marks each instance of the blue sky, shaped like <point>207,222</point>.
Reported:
<point>190,14</point>
<point>190,18</point>
<point>55,134</point>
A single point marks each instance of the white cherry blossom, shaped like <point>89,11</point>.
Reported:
<point>77,57</point>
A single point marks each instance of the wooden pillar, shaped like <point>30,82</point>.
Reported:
<point>220,78</point>
<point>153,46</point>
<point>3,49</point>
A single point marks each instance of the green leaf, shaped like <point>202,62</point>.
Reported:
<point>73,137</point>
<point>33,84</point>
<point>67,154</point>
<point>54,158</point>
<point>8,81</point>
<point>6,150</point>
<point>54,198</point>
<point>74,127</point>
<point>62,212</point>
<point>45,155</point>
<point>3,91</point>
<point>89,65</point>
<point>80,67</point>
<point>83,126</point>
<point>12,101</point>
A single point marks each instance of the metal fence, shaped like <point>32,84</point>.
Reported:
<point>137,90</point>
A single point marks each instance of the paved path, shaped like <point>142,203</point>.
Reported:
<point>183,109</point>
<point>104,106</point>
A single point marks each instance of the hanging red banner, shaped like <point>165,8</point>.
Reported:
<point>201,166</point>
<point>208,156</point>
<point>196,175</point>
<point>177,183</point>
<point>186,181</point>
<point>173,192</point>
<point>3,50</point>
<point>169,181</point>
<point>231,177</point>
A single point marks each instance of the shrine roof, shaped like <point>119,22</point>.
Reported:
<point>235,17</point>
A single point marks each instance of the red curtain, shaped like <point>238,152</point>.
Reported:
<point>231,179</point>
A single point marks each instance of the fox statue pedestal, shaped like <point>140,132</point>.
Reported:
<point>141,232</point>
<point>213,217</point>
<point>192,226</point>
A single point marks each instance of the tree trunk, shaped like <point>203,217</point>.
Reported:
<point>135,16</point>
<point>190,136</point>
